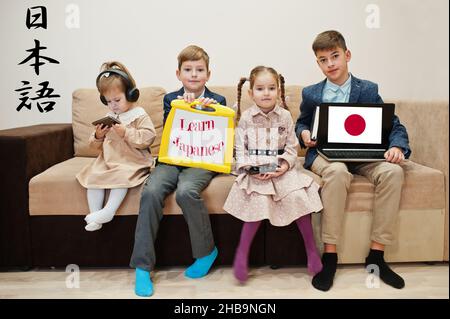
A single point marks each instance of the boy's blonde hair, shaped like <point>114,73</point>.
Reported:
<point>106,83</point>
<point>279,79</point>
<point>193,53</point>
<point>329,40</point>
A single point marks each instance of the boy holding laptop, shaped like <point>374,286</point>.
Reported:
<point>342,87</point>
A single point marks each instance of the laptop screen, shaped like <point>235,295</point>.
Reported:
<point>355,125</point>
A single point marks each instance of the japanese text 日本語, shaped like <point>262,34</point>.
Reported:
<point>42,94</point>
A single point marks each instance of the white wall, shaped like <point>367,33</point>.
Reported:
<point>407,55</point>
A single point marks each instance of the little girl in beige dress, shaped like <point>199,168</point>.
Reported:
<point>125,157</point>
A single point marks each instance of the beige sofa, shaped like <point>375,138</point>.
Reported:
<point>54,195</point>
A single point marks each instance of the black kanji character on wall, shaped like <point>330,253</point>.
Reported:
<point>39,18</point>
<point>37,58</point>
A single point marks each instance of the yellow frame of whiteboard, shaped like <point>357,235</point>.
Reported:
<point>220,110</point>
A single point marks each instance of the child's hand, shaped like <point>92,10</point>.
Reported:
<point>283,168</point>
<point>120,129</point>
<point>262,177</point>
<point>207,101</point>
<point>100,131</point>
<point>306,137</point>
<point>394,155</point>
<point>187,97</point>
<point>190,97</point>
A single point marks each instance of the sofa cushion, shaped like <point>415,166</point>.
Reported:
<point>86,108</point>
<point>57,192</point>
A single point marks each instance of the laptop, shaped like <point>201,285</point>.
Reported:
<point>349,132</point>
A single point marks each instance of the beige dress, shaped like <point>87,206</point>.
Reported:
<point>281,199</point>
<point>123,162</point>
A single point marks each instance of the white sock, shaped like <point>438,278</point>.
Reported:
<point>95,198</point>
<point>106,214</point>
<point>93,226</point>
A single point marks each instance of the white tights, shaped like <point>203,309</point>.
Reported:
<point>99,215</point>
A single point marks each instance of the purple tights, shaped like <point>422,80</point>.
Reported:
<point>249,229</point>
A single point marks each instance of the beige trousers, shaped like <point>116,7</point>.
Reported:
<point>337,177</point>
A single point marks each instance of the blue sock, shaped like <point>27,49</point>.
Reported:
<point>144,285</point>
<point>201,266</point>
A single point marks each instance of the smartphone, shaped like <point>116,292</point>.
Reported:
<point>107,121</point>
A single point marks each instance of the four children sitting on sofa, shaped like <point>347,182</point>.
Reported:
<point>281,195</point>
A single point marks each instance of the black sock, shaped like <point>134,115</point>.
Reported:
<point>376,257</point>
<point>324,279</point>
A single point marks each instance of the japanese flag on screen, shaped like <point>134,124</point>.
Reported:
<point>354,124</point>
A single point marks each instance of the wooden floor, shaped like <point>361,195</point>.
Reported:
<point>422,281</point>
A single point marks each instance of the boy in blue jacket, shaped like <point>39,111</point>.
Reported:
<point>340,86</point>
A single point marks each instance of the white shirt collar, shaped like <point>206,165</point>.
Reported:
<point>344,87</point>
<point>130,115</point>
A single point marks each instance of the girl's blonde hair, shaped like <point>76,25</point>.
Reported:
<point>253,74</point>
<point>105,83</point>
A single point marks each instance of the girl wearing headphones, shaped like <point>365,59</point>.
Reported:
<point>125,159</point>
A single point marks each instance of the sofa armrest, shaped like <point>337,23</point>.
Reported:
<point>427,125</point>
<point>26,152</point>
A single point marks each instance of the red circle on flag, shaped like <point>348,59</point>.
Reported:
<point>355,124</point>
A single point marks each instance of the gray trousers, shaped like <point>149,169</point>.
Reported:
<point>188,183</point>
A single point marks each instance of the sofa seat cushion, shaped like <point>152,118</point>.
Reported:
<point>57,192</point>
